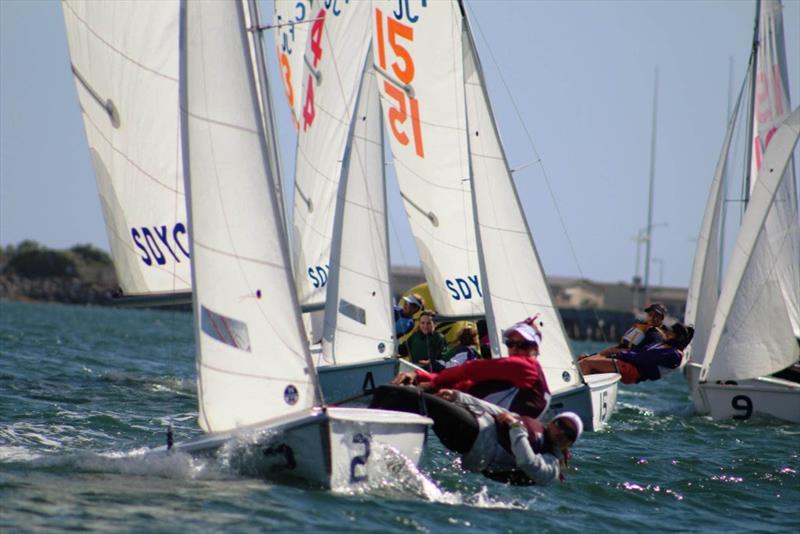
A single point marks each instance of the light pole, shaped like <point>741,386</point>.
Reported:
<point>642,236</point>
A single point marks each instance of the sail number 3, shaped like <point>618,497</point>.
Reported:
<point>393,32</point>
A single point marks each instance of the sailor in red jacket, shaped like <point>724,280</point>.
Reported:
<point>516,383</point>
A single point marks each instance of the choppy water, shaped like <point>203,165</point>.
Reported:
<point>83,389</point>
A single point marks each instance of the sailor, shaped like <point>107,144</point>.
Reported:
<point>425,344</point>
<point>464,351</point>
<point>516,383</point>
<point>404,315</point>
<point>651,362</point>
<point>640,334</point>
<point>500,444</point>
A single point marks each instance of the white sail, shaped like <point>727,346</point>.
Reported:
<point>252,358</point>
<point>124,58</point>
<point>703,293</point>
<point>358,312</point>
<point>752,334</point>
<point>770,108</point>
<point>417,52</point>
<point>515,286</point>
<point>335,52</point>
<point>291,18</point>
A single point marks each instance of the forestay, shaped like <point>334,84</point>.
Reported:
<point>515,286</point>
<point>771,107</point>
<point>337,45</point>
<point>703,293</point>
<point>124,57</point>
<point>358,313</point>
<point>291,18</point>
<point>252,358</point>
<point>752,335</point>
<point>418,55</point>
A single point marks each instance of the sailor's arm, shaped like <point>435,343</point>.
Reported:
<point>541,468</point>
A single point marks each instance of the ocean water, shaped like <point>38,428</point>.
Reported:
<point>84,390</point>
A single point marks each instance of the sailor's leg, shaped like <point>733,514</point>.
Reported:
<point>455,426</point>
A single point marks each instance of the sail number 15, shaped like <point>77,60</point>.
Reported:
<point>393,32</point>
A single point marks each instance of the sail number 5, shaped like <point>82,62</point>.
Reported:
<point>393,32</point>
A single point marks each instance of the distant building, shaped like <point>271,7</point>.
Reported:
<point>589,310</point>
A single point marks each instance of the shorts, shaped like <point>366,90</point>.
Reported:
<point>630,374</point>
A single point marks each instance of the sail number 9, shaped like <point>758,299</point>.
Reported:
<point>393,32</point>
<point>742,403</point>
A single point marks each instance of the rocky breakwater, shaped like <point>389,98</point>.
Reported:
<point>82,274</point>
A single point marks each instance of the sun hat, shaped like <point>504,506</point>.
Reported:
<point>526,331</point>
<point>576,420</point>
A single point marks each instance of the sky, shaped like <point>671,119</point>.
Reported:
<point>578,75</point>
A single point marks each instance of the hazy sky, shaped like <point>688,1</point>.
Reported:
<point>580,73</point>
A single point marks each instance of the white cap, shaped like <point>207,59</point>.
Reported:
<point>526,331</point>
<point>576,420</point>
<point>412,299</point>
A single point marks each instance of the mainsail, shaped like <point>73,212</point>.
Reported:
<point>358,313</point>
<point>704,285</point>
<point>338,42</point>
<point>291,18</point>
<point>127,85</point>
<point>252,357</point>
<point>515,286</point>
<point>770,108</point>
<point>418,56</point>
<point>752,333</point>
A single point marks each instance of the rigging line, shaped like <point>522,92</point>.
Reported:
<point>261,28</point>
<point>529,138</point>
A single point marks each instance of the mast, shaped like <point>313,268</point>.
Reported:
<point>649,236</point>
<point>265,102</point>
<point>751,108</point>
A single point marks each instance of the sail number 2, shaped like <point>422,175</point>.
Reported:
<point>390,31</point>
<point>359,460</point>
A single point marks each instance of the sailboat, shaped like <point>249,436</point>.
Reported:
<point>255,374</point>
<point>340,238</point>
<point>127,86</point>
<point>472,236</point>
<point>748,327</point>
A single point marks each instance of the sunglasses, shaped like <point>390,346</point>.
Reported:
<point>568,430</point>
<point>513,344</point>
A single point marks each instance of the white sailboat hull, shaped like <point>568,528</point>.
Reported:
<point>594,402</point>
<point>336,448</point>
<point>339,382</point>
<point>744,399</point>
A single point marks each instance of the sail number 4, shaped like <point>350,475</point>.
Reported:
<point>392,32</point>
<point>315,38</point>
